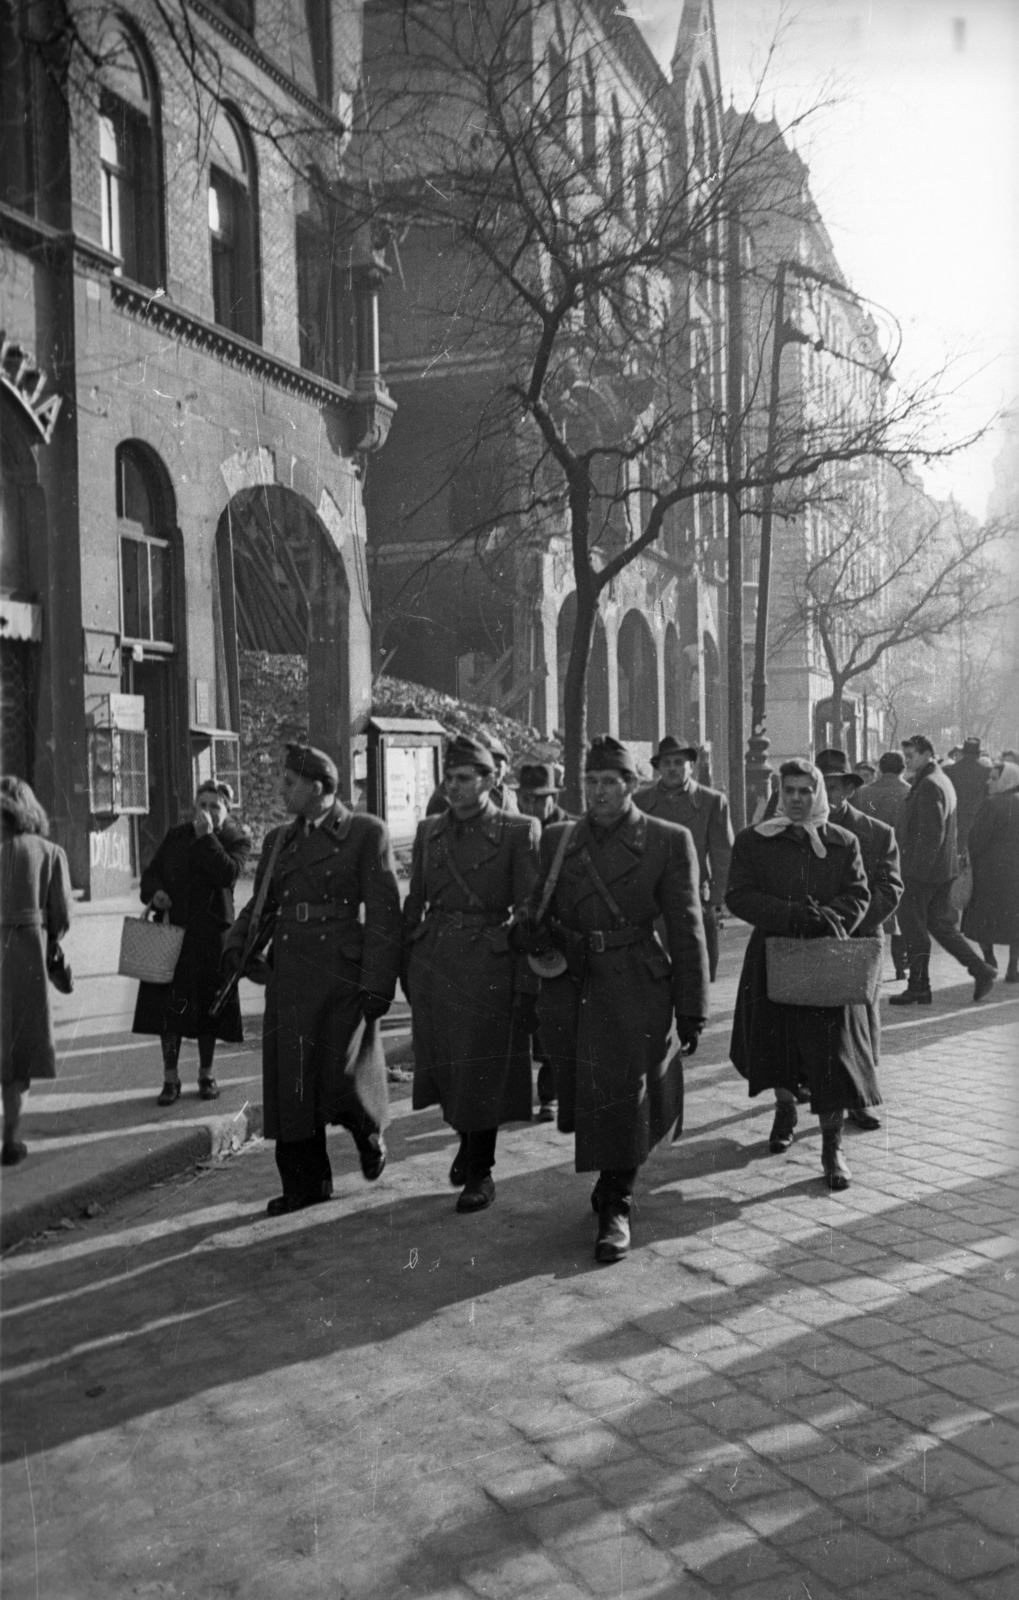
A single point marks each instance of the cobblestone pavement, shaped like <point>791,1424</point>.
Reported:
<point>781,1394</point>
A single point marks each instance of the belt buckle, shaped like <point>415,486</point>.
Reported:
<point>598,942</point>
<point>301,911</point>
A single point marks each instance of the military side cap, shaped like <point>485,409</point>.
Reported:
<point>606,754</point>
<point>312,764</point>
<point>466,752</point>
<point>672,747</point>
<point>539,777</point>
<point>835,764</point>
<point>495,744</point>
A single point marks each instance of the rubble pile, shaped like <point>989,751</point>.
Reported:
<point>274,709</point>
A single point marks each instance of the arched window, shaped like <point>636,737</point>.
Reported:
<point>638,679</point>
<point>145,517</point>
<point>130,160</point>
<point>233,228</point>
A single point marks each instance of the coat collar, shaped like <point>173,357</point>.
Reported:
<point>489,819</point>
<point>332,831</point>
<point>618,851</point>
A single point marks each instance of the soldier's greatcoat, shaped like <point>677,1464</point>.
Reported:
<point>607,1028</point>
<point>319,964</point>
<point>776,1046</point>
<point>471,1044</point>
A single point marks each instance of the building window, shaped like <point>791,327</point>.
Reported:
<point>17,166</point>
<point>589,120</point>
<point>325,304</point>
<point>233,229</point>
<point>132,205</point>
<point>146,572</point>
<point>617,196</point>
<point>640,188</point>
<point>318,15</point>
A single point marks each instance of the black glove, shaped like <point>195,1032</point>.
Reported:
<point>230,963</point>
<point>373,1006</point>
<point>806,922</point>
<point>689,1031</point>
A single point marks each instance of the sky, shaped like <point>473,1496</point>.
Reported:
<point>914,159</point>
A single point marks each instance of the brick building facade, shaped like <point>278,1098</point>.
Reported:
<point>190,393</point>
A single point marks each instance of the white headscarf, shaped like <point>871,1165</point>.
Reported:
<point>1007,779</point>
<point>818,815</point>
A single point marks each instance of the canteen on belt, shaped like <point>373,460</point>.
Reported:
<point>550,964</point>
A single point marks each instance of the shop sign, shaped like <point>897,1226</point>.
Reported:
<point>26,383</point>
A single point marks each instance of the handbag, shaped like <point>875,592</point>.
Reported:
<point>824,972</point>
<point>149,950</point>
<point>58,968</point>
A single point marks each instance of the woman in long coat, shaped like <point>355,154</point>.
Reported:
<point>192,876</point>
<point>35,902</point>
<point>782,872</point>
<point>992,916</point>
<point>472,866</point>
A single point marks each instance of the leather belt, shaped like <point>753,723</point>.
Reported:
<point>327,911</point>
<point>612,938</point>
<point>468,919</point>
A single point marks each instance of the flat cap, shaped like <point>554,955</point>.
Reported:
<point>464,751</point>
<point>672,747</point>
<point>313,764</point>
<point>539,777</point>
<point>606,754</point>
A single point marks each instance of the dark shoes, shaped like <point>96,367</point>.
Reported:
<point>458,1171</point>
<point>834,1164</point>
<point>1012,975</point>
<point>169,1093</point>
<point>285,1203</point>
<point>546,1113</point>
<point>781,1135</point>
<point>479,1192</point>
<point>912,997</point>
<point>985,977</point>
<point>12,1153</point>
<point>613,1241</point>
<point>864,1120</point>
<point>208,1089</point>
<point>373,1154</point>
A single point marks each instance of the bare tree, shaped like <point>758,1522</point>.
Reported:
<point>583,227</point>
<point>935,574</point>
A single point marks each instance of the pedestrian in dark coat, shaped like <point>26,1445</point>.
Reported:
<point>191,877</point>
<point>472,867</point>
<point>35,912</point>
<point>538,792</point>
<point>783,871</point>
<point>880,855</point>
<point>332,970</point>
<point>885,799</point>
<point>608,1022</point>
<point>928,845</point>
<point>992,916</point>
<point>677,797</point>
<point>969,777</point>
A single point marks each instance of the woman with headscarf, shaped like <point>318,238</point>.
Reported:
<point>35,913</point>
<point>783,872</point>
<point>992,916</point>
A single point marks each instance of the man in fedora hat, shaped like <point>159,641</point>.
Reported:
<point>676,796</point>
<point>538,796</point>
<point>473,866</point>
<point>610,1022</point>
<point>329,970</point>
<point>969,777</point>
<point>881,864</point>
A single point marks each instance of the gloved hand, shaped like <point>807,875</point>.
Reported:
<point>373,1006</point>
<point>689,1031</point>
<point>806,922</point>
<point>230,963</point>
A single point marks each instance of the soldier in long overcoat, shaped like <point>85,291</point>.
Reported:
<point>783,871</point>
<point>331,970</point>
<point>880,854</point>
<point>678,797</point>
<point>607,1023</point>
<point>473,865</point>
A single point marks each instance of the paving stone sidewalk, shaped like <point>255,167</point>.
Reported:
<point>781,1394</point>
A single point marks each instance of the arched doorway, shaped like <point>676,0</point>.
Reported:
<point>597,668</point>
<point>673,682</point>
<point>638,680</point>
<point>153,635</point>
<point>283,591</point>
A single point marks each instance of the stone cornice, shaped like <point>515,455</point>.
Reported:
<point>244,42</point>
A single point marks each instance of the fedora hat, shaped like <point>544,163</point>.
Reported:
<point>835,764</point>
<point>538,777</point>
<point>672,747</point>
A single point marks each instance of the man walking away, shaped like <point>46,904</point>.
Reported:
<point>930,861</point>
<point>677,797</point>
<point>885,799</point>
<point>969,777</point>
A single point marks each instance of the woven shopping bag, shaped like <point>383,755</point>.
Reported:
<point>149,950</point>
<point>824,972</point>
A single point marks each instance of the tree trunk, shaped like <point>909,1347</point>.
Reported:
<point>837,688</point>
<point>575,694</point>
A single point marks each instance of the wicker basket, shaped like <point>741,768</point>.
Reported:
<point>823,972</point>
<point>149,950</point>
